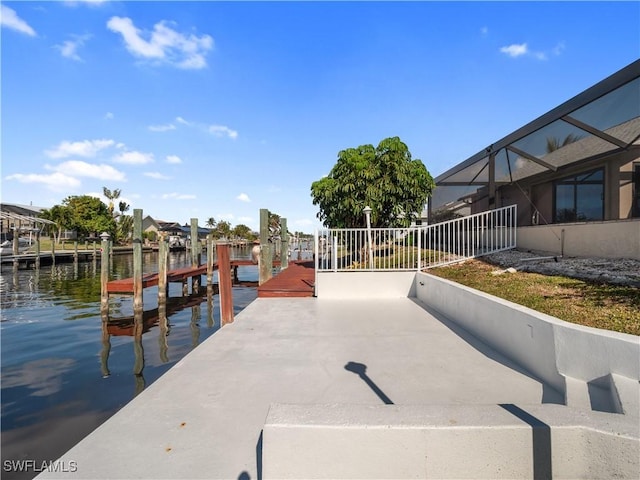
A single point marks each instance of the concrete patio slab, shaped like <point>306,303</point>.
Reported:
<point>204,417</point>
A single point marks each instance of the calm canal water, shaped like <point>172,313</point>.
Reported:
<point>63,374</point>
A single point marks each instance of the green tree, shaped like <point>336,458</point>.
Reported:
<point>61,216</point>
<point>222,229</point>
<point>211,223</point>
<point>243,231</point>
<point>385,178</point>
<point>90,216</point>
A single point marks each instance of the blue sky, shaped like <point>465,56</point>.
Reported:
<point>218,109</point>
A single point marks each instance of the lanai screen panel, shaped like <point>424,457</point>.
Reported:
<point>602,120</point>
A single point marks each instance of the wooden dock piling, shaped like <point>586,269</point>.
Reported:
<point>265,259</point>
<point>224,283</point>
<point>284,244</point>
<point>162,270</point>
<point>137,260</point>
<point>37,262</point>
<point>104,276</point>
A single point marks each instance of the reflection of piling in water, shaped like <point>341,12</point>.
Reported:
<point>106,345</point>
<point>163,341</point>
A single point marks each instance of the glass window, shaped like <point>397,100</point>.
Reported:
<point>580,198</point>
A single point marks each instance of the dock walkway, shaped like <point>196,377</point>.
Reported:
<point>297,280</point>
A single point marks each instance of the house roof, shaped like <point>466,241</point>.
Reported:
<point>603,120</point>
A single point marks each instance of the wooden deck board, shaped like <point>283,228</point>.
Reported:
<point>297,280</point>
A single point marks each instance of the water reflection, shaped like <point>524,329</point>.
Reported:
<point>64,365</point>
<point>142,322</point>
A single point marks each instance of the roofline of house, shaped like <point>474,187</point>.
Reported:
<point>618,79</point>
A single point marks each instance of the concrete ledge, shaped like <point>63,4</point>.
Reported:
<point>446,441</point>
<point>592,368</point>
<point>358,285</point>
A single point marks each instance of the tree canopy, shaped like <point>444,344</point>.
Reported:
<point>89,215</point>
<point>385,178</point>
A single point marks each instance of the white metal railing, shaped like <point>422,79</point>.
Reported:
<point>415,248</point>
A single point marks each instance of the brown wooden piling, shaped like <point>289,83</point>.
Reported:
<point>138,289</point>
<point>75,251</point>
<point>265,262</point>
<point>284,244</point>
<point>37,250</point>
<point>104,276</point>
<point>210,253</point>
<point>162,270</point>
<point>224,283</point>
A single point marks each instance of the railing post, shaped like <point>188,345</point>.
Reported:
<point>316,260</point>
<point>419,232</point>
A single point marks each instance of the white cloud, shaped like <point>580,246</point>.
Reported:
<point>77,168</point>
<point>245,219</point>
<point>221,130</point>
<point>225,216</point>
<point>177,196</point>
<point>162,128</point>
<point>133,157</point>
<point>156,175</point>
<point>243,197</point>
<point>57,182</point>
<point>484,31</point>
<point>174,159</point>
<point>85,148</point>
<point>69,48</point>
<point>9,18</point>
<point>515,50</point>
<point>182,121</point>
<point>164,45</point>
<point>108,116</point>
<point>558,49</point>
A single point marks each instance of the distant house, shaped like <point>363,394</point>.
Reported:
<point>574,174</point>
<point>21,218</point>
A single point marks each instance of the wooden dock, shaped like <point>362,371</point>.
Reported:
<point>297,280</point>
<point>125,285</point>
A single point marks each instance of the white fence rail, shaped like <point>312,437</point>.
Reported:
<point>415,248</point>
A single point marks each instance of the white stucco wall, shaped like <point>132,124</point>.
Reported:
<point>553,350</point>
<point>613,239</point>
<point>353,285</point>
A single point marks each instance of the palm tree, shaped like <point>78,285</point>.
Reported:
<point>211,223</point>
<point>111,196</point>
<point>554,143</point>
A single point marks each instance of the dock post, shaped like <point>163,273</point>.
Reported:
<point>265,259</point>
<point>37,250</point>
<point>162,271</point>
<point>53,251</point>
<point>137,260</point>
<point>75,251</point>
<point>210,253</point>
<point>104,273</point>
<point>284,244</point>
<point>195,255</point>
<point>224,283</point>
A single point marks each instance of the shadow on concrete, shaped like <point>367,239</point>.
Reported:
<point>549,394</point>
<point>541,440</point>
<point>360,369</point>
<point>244,475</point>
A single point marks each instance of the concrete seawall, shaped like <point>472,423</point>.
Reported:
<point>418,378</point>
